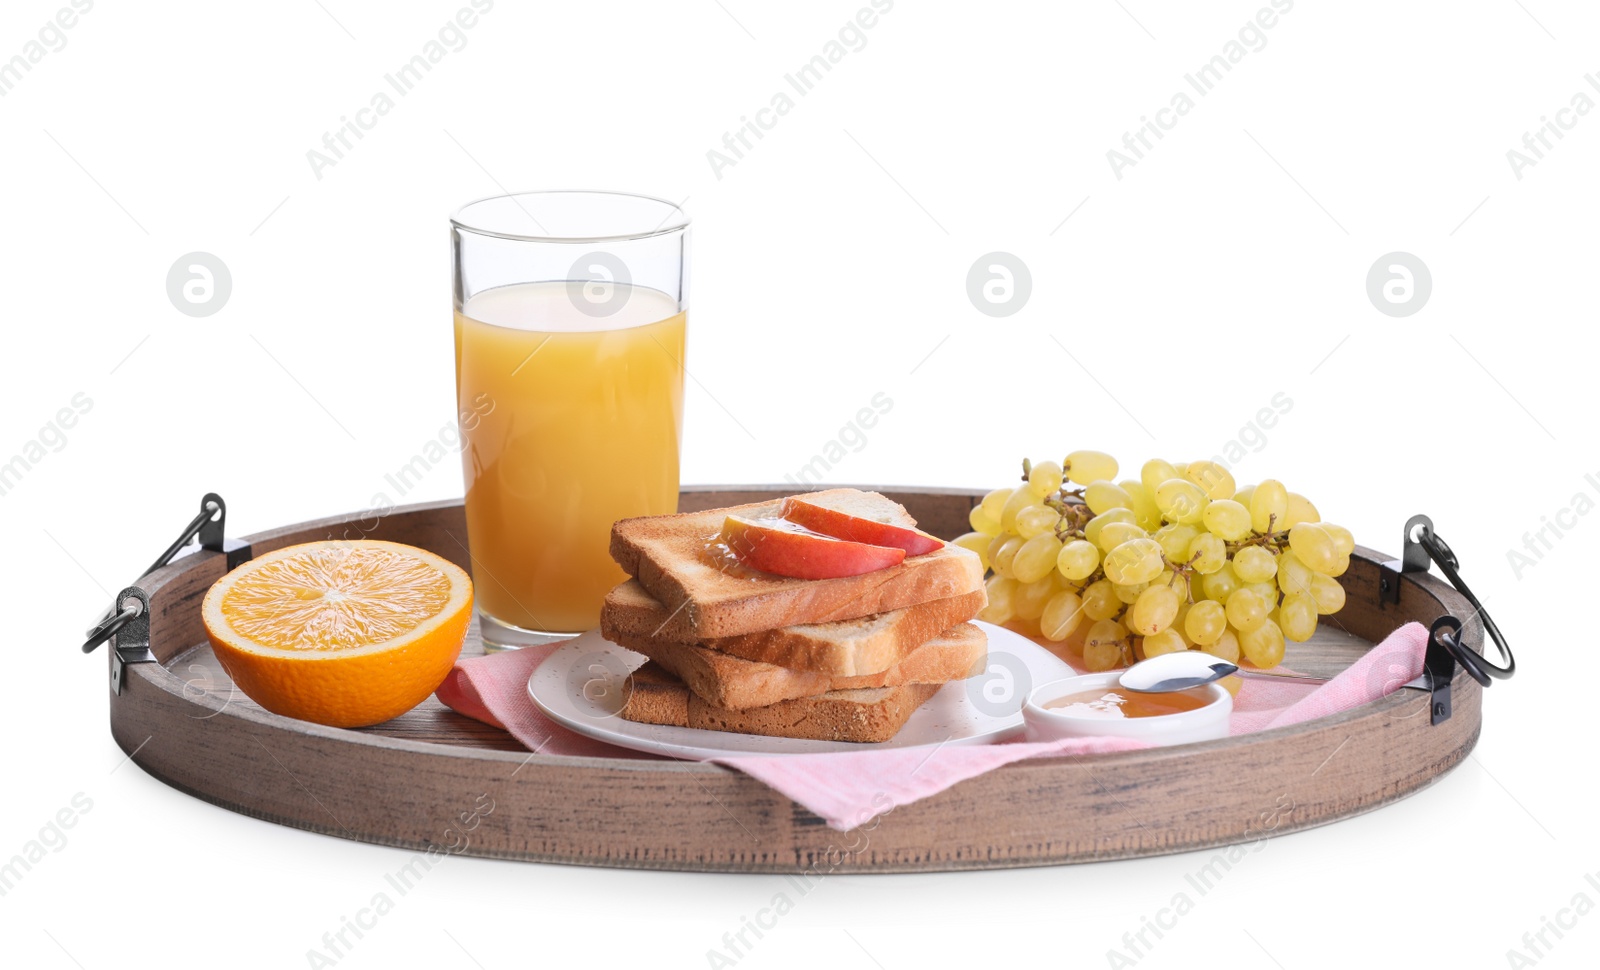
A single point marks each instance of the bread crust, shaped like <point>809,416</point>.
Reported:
<point>842,648</point>
<point>734,684</point>
<point>862,716</point>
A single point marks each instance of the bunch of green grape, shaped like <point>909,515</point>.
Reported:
<point>1180,558</point>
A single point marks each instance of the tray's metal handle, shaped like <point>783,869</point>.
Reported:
<point>1424,546</point>
<point>126,623</point>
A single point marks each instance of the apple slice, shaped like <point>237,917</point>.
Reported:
<point>835,514</point>
<point>787,549</point>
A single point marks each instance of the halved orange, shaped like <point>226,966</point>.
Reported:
<point>343,633</point>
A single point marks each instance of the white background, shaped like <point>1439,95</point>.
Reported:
<point>829,265</point>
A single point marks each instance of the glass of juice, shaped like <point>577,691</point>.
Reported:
<point>570,313</point>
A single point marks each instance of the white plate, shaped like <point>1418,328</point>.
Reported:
<point>581,687</point>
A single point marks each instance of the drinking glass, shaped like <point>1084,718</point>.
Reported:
<point>570,319</point>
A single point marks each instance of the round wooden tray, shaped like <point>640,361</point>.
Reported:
<point>407,782</point>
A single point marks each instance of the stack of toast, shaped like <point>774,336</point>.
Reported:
<point>737,649</point>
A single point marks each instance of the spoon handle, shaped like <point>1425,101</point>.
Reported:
<point>1285,678</point>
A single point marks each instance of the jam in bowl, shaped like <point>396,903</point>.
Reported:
<point>1095,705</point>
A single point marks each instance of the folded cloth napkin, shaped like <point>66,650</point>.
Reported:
<point>849,788</point>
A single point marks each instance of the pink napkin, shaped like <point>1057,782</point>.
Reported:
<point>850,788</point>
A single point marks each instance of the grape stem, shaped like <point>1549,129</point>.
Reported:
<point>1076,512</point>
<point>1272,541</point>
<point>1184,569</point>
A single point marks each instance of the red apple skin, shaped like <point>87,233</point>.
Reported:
<point>854,528</point>
<point>798,555</point>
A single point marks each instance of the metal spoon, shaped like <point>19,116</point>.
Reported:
<point>1175,671</point>
<point>1193,668</point>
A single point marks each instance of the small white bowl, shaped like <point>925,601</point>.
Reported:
<point>1041,723</point>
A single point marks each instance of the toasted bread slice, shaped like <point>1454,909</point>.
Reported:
<point>728,682</point>
<point>708,595</point>
<point>843,648</point>
<point>865,716</point>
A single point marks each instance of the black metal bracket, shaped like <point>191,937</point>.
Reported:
<point>1424,548</point>
<point>1440,668</point>
<point>130,643</point>
<point>1414,558</point>
<point>127,622</point>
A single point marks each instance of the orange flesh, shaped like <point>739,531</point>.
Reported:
<point>335,599</point>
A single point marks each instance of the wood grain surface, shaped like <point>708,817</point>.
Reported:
<point>418,781</point>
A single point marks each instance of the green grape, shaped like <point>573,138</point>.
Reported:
<point>1098,656</point>
<point>1035,559</point>
<point>1297,615</point>
<point>1101,495</point>
<point>1002,559</point>
<point>978,543</point>
<point>1340,566</point>
<point>1227,518</point>
<point>1061,615</point>
<point>1175,540</point>
<point>1128,594</point>
<point>1135,561</point>
<point>1154,472</point>
<point>1001,594</point>
<point>1078,560</point>
<point>1207,554</point>
<point>1154,610</point>
<point>1293,576</point>
<point>1242,496</point>
<point>980,521</point>
<point>1036,520</point>
<point>1091,531</point>
<point>994,504</point>
<point>1300,510</point>
<point>1116,533</point>
<point>1268,505</point>
<point>1226,647</point>
<point>1315,547</point>
<point>1178,622</point>
<point>1214,479</point>
<point>1327,593</point>
<point>1263,646</point>
<point>1343,541</point>
<point>1205,622</point>
<point>1253,564</point>
<point>1164,641</point>
<point>995,543</point>
<point>1267,592</point>
<point>1030,598</point>
<point>1245,610</point>
<point>1181,500</point>
<point>1144,504</point>
<point>1220,584</point>
<point>1084,467</point>
<point>1100,600</point>
<point>1044,478</point>
<point>1019,500</point>
<point>1103,645</point>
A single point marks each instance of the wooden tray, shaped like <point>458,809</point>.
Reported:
<point>408,782</point>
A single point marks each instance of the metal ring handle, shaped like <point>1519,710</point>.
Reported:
<point>1477,665</point>
<point>1447,633</point>
<point>207,519</point>
<point>107,628</point>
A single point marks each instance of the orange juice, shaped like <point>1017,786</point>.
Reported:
<point>576,422</point>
